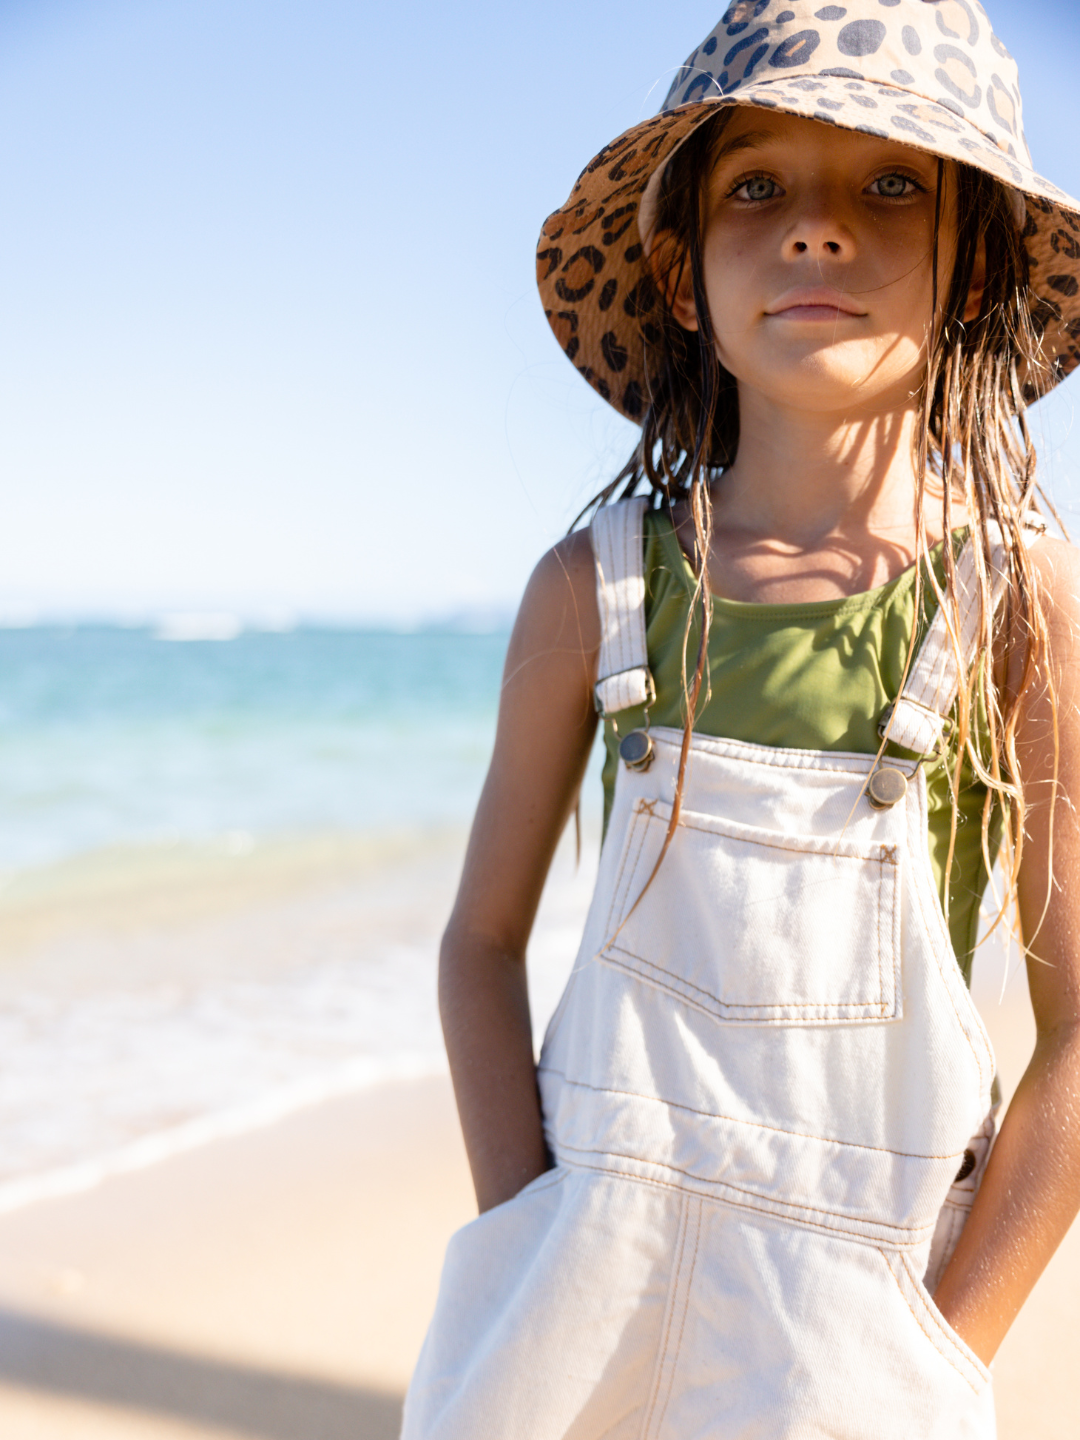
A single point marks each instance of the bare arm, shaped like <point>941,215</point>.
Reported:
<point>1031,1191</point>
<point>545,732</point>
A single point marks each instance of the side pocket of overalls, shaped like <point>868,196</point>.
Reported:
<point>470,1232</point>
<point>931,1323</point>
<point>487,1264</point>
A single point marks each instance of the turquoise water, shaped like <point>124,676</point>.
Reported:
<point>111,736</point>
<point>224,870</point>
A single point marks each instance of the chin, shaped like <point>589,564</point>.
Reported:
<point>828,378</point>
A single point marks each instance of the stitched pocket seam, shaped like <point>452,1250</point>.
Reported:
<point>934,1325</point>
<point>791,1010</point>
<point>881,1007</point>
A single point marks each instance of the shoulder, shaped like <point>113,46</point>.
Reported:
<point>569,563</point>
<point>559,616</point>
<point>561,600</point>
<point>1055,566</point>
<point>1041,641</point>
<point>1046,590</point>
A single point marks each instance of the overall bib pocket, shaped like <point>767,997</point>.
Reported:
<point>757,926</point>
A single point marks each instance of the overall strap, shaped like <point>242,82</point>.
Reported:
<point>618,541</point>
<point>918,719</point>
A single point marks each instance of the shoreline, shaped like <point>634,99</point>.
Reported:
<point>355,1077</point>
<point>148,1008</point>
<point>122,891</point>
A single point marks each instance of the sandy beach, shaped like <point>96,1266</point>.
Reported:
<point>276,1284</point>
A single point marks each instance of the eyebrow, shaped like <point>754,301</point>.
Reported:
<point>748,140</point>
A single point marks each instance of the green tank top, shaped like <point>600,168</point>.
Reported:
<point>808,677</point>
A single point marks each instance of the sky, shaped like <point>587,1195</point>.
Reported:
<point>269,335</point>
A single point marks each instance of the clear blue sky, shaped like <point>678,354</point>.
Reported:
<point>269,338</point>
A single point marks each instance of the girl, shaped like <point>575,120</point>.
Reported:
<point>752,1189</point>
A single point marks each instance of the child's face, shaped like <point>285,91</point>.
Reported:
<point>817,263</point>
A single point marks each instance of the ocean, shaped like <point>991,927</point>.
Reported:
<point>224,867</point>
<point>114,736</point>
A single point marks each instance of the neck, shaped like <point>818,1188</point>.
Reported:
<point>802,475</point>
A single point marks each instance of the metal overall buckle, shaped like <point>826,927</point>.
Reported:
<point>636,750</point>
<point>888,783</point>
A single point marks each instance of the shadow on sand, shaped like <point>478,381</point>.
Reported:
<point>43,1355</point>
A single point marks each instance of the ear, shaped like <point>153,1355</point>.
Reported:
<point>978,285</point>
<point>670,266</point>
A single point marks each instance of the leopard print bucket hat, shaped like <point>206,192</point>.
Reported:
<point>930,73</point>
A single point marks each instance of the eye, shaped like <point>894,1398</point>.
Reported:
<point>756,189</point>
<point>895,186</point>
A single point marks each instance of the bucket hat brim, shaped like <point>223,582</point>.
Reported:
<point>592,264</point>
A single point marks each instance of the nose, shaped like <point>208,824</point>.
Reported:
<point>821,245</point>
<point>818,231</point>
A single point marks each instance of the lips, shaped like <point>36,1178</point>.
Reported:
<point>819,303</point>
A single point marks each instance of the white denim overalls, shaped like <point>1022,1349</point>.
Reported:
<point>768,1096</point>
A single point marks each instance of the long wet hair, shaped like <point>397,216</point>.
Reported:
<point>973,438</point>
